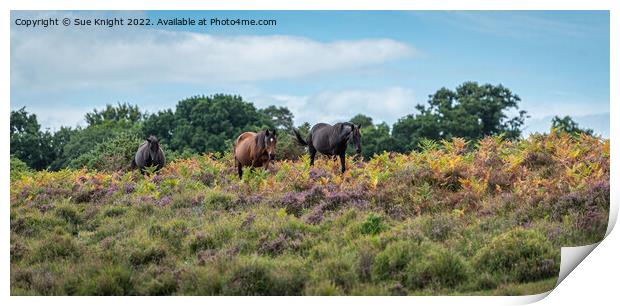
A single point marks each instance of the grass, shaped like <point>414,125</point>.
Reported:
<point>449,220</point>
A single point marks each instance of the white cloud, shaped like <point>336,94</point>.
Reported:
<point>64,59</point>
<point>387,104</point>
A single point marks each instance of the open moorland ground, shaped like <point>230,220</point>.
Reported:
<point>452,218</point>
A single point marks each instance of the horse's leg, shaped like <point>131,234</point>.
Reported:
<point>239,168</point>
<point>312,152</point>
<point>342,162</point>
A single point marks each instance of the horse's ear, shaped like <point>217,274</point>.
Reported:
<point>148,139</point>
<point>275,132</point>
<point>267,132</point>
<point>359,126</point>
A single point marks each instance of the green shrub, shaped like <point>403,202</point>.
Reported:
<point>391,262</point>
<point>523,255</point>
<point>289,276</point>
<point>163,283</point>
<point>115,211</point>
<point>250,277</point>
<point>440,227</point>
<point>261,276</point>
<point>372,225</point>
<point>217,200</point>
<point>108,280</point>
<point>340,270</point>
<point>437,267</point>
<point>18,168</point>
<point>200,280</point>
<point>113,154</point>
<point>202,242</point>
<point>145,254</point>
<point>68,213</point>
<point>58,246</point>
<point>324,288</point>
<point>172,232</point>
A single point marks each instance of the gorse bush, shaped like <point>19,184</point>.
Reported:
<point>451,219</point>
<point>112,154</point>
<point>18,168</point>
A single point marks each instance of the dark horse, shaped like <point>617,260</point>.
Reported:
<point>255,150</point>
<point>332,140</point>
<point>149,154</point>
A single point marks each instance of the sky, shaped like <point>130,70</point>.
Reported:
<point>325,66</point>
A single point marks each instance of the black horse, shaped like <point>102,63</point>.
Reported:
<point>331,140</point>
<point>149,154</point>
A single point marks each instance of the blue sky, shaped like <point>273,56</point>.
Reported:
<point>323,65</point>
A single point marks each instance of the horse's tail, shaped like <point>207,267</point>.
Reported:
<point>300,140</point>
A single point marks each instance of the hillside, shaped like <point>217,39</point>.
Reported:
<point>451,219</point>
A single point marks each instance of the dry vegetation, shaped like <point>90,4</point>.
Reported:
<point>453,218</point>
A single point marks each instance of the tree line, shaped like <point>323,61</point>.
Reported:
<point>211,123</point>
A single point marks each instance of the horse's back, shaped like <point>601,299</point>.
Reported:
<point>141,154</point>
<point>243,147</point>
<point>319,127</point>
<point>319,137</point>
<point>244,137</point>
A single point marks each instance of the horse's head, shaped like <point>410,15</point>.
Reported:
<point>355,137</point>
<point>153,143</point>
<point>271,139</point>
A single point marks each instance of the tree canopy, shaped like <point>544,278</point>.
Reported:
<point>568,125</point>
<point>471,111</point>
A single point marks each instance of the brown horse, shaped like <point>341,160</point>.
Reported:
<point>255,150</point>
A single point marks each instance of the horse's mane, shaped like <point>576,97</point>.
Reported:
<point>337,130</point>
<point>260,142</point>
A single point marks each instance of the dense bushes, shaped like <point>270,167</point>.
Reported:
<point>521,255</point>
<point>112,154</point>
<point>18,168</point>
<point>430,222</point>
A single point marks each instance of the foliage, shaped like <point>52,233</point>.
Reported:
<point>568,125</point>
<point>362,120</point>
<point>114,154</point>
<point>205,124</point>
<point>87,139</point>
<point>449,219</point>
<point>523,255</point>
<point>376,139</point>
<point>471,111</point>
<point>28,142</point>
<point>18,167</point>
<point>281,117</point>
<point>121,112</point>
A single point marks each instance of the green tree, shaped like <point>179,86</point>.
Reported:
<point>472,111</point>
<point>28,143</point>
<point>362,120</point>
<point>281,117</point>
<point>59,140</point>
<point>568,125</point>
<point>376,139</point>
<point>160,124</point>
<point>206,123</point>
<point>120,112</point>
